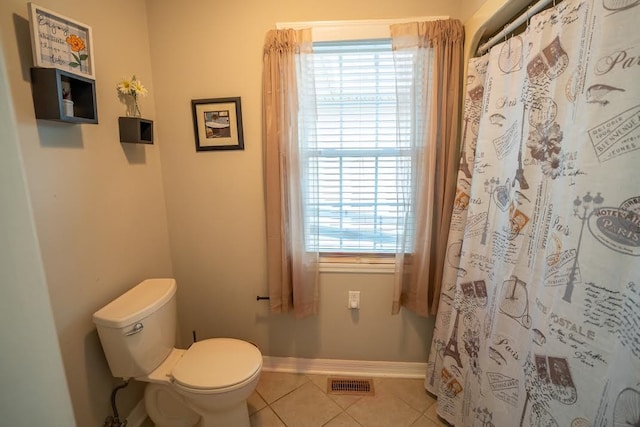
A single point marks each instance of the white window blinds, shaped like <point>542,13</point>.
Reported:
<point>360,169</point>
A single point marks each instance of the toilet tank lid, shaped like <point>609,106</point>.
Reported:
<point>136,304</point>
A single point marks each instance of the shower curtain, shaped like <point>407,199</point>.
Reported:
<point>539,316</point>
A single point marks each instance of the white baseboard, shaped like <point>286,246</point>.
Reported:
<point>344,367</point>
<point>137,415</point>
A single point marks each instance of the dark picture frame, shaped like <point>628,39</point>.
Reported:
<point>217,124</point>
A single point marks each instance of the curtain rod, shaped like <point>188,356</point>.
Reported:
<point>524,17</point>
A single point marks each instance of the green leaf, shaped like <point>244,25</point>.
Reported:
<point>74,64</point>
<point>76,57</point>
<point>84,57</point>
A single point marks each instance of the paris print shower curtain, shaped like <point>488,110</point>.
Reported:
<point>539,318</point>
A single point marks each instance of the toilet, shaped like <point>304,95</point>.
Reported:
<point>206,385</point>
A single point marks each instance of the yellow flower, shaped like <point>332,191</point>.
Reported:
<point>125,87</point>
<point>76,43</point>
<point>138,88</point>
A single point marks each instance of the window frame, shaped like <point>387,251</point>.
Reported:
<point>354,147</point>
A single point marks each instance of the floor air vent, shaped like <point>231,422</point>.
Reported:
<point>350,386</point>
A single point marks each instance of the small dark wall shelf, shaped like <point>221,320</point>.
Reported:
<point>46,87</point>
<point>135,130</point>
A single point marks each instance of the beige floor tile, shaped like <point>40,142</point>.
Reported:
<point>410,390</point>
<point>433,416</point>
<point>319,380</point>
<point>342,420</point>
<point>265,418</point>
<point>383,410</point>
<point>423,421</point>
<point>344,401</point>
<point>273,385</point>
<point>255,403</point>
<point>379,386</point>
<point>307,406</point>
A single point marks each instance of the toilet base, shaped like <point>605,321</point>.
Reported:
<point>237,416</point>
<point>166,408</point>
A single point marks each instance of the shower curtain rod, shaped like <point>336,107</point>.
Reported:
<point>531,10</point>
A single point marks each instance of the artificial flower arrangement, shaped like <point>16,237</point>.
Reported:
<point>76,44</point>
<point>130,89</point>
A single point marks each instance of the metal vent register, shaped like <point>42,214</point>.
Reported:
<point>350,386</point>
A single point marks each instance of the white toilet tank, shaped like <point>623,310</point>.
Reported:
<point>138,329</point>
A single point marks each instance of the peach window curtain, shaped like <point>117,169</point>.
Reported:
<point>292,265</point>
<point>428,121</point>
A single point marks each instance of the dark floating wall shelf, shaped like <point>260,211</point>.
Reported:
<point>47,86</point>
<point>135,130</point>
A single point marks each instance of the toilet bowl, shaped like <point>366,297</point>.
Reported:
<point>211,380</point>
<point>206,385</point>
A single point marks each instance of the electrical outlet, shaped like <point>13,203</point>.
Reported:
<point>354,300</point>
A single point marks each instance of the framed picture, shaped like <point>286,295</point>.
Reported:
<point>217,124</point>
<point>60,42</point>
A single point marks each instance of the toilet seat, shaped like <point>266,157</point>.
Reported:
<point>217,365</point>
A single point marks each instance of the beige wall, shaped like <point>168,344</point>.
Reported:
<point>32,378</point>
<point>98,205</point>
<point>213,49</point>
<point>469,7</point>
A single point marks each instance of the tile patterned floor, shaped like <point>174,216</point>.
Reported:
<point>295,400</point>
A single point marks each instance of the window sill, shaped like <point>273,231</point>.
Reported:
<point>357,265</point>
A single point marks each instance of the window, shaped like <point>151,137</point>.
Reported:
<point>357,164</point>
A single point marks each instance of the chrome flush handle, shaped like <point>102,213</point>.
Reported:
<point>138,327</point>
